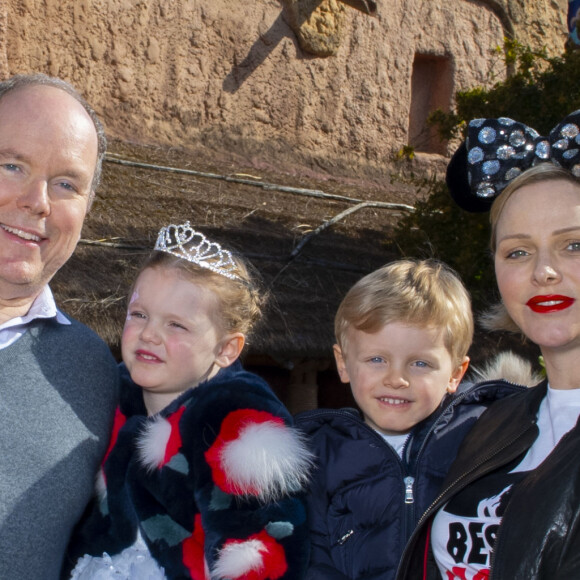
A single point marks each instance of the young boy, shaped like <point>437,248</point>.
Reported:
<point>402,334</point>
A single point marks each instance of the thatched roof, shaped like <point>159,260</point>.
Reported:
<point>233,204</point>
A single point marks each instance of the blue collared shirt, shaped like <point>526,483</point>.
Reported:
<point>43,306</point>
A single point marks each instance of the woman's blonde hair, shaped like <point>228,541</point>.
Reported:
<point>418,292</point>
<point>497,317</point>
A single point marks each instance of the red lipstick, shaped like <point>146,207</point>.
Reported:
<point>549,303</point>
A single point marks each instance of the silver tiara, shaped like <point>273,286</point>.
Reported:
<point>184,242</point>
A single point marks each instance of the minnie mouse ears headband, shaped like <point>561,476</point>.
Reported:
<point>497,150</point>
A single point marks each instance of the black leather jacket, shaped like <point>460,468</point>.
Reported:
<point>539,536</point>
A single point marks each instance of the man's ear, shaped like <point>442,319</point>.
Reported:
<point>340,364</point>
<point>457,375</point>
<point>230,349</point>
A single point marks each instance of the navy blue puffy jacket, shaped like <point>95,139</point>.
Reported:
<point>364,501</point>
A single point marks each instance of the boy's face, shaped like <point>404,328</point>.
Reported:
<point>398,375</point>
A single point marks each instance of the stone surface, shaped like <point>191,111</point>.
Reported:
<point>231,76</point>
<point>318,24</point>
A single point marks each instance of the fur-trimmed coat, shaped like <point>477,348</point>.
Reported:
<point>213,482</point>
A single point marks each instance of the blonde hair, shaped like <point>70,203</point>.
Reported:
<point>497,317</point>
<point>418,292</point>
<point>239,302</point>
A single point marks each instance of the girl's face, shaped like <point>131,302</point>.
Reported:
<point>537,262</point>
<point>171,341</point>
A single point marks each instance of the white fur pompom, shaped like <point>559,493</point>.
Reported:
<point>152,443</point>
<point>101,485</point>
<point>267,460</point>
<point>238,559</point>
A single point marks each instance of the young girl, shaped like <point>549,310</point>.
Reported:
<point>203,464</point>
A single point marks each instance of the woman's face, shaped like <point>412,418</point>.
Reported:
<point>537,262</point>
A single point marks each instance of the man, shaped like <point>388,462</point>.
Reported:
<point>58,380</point>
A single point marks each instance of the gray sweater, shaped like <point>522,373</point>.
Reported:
<point>58,388</point>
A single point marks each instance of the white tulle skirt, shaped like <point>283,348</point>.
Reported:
<point>134,563</point>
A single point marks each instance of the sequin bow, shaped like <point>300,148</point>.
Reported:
<point>500,149</point>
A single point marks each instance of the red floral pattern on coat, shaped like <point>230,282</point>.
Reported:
<point>193,554</point>
<point>174,442</point>
<point>118,423</point>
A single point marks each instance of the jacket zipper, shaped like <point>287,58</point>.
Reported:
<point>435,504</point>
<point>454,404</point>
<point>409,480</point>
<point>345,538</point>
<point>409,491</point>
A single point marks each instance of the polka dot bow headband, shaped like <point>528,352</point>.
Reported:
<point>498,150</point>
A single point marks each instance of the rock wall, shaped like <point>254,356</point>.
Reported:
<point>232,76</point>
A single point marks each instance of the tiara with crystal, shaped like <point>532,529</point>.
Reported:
<point>184,242</point>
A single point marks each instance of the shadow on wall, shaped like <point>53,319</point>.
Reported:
<point>259,52</point>
<point>299,21</point>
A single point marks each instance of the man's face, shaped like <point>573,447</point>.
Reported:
<point>48,155</point>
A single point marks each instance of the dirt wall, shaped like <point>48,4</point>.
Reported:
<point>233,76</point>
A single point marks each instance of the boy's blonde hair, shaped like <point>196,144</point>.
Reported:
<point>418,292</point>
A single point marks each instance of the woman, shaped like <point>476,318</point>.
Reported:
<point>510,507</point>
